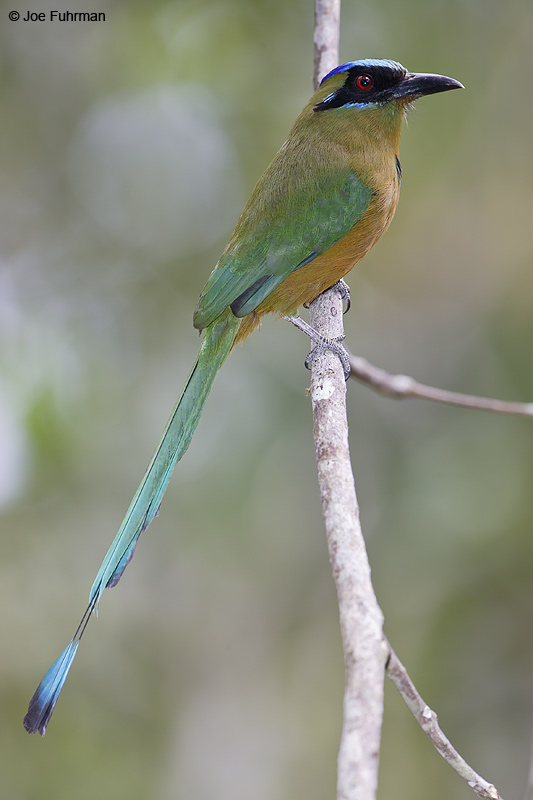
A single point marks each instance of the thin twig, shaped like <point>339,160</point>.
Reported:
<point>427,719</point>
<point>402,386</point>
<point>361,619</point>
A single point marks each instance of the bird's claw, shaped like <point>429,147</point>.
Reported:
<point>335,346</point>
<point>344,291</point>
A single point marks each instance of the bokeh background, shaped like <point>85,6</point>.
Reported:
<point>127,149</point>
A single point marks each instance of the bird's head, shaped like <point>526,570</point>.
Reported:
<point>377,83</point>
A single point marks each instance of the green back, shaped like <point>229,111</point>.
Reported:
<point>288,221</point>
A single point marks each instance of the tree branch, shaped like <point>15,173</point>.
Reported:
<point>326,37</point>
<point>360,615</point>
<point>402,386</point>
<point>427,719</point>
<point>366,651</point>
<point>361,619</point>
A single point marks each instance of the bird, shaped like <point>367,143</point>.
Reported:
<point>325,199</point>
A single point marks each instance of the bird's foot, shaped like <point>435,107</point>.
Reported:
<point>344,291</point>
<point>322,344</point>
<point>335,346</point>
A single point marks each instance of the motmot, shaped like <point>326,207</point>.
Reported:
<point>325,199</point>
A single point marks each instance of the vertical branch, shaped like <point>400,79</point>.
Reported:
<point>361,618</point>
<point>326,37</point>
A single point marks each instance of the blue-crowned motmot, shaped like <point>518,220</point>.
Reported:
<point>326,198</point>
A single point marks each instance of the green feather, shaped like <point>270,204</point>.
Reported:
<point>217,343</point>
<point>285,224</point>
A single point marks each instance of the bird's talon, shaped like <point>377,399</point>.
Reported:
<point>344,291</point>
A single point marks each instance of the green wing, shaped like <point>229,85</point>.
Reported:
<point>293,215</point>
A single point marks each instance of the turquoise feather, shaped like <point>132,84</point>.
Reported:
<point>144,507</point>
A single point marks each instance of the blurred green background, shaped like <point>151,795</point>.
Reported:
<point>127,149</point>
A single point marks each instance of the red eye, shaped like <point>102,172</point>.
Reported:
<point>364,82</point>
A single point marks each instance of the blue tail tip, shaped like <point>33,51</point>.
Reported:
<point>43,702</point>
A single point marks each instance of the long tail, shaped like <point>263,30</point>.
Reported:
<point>218,339</point>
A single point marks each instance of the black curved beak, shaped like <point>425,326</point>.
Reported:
<point>418,84</point>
